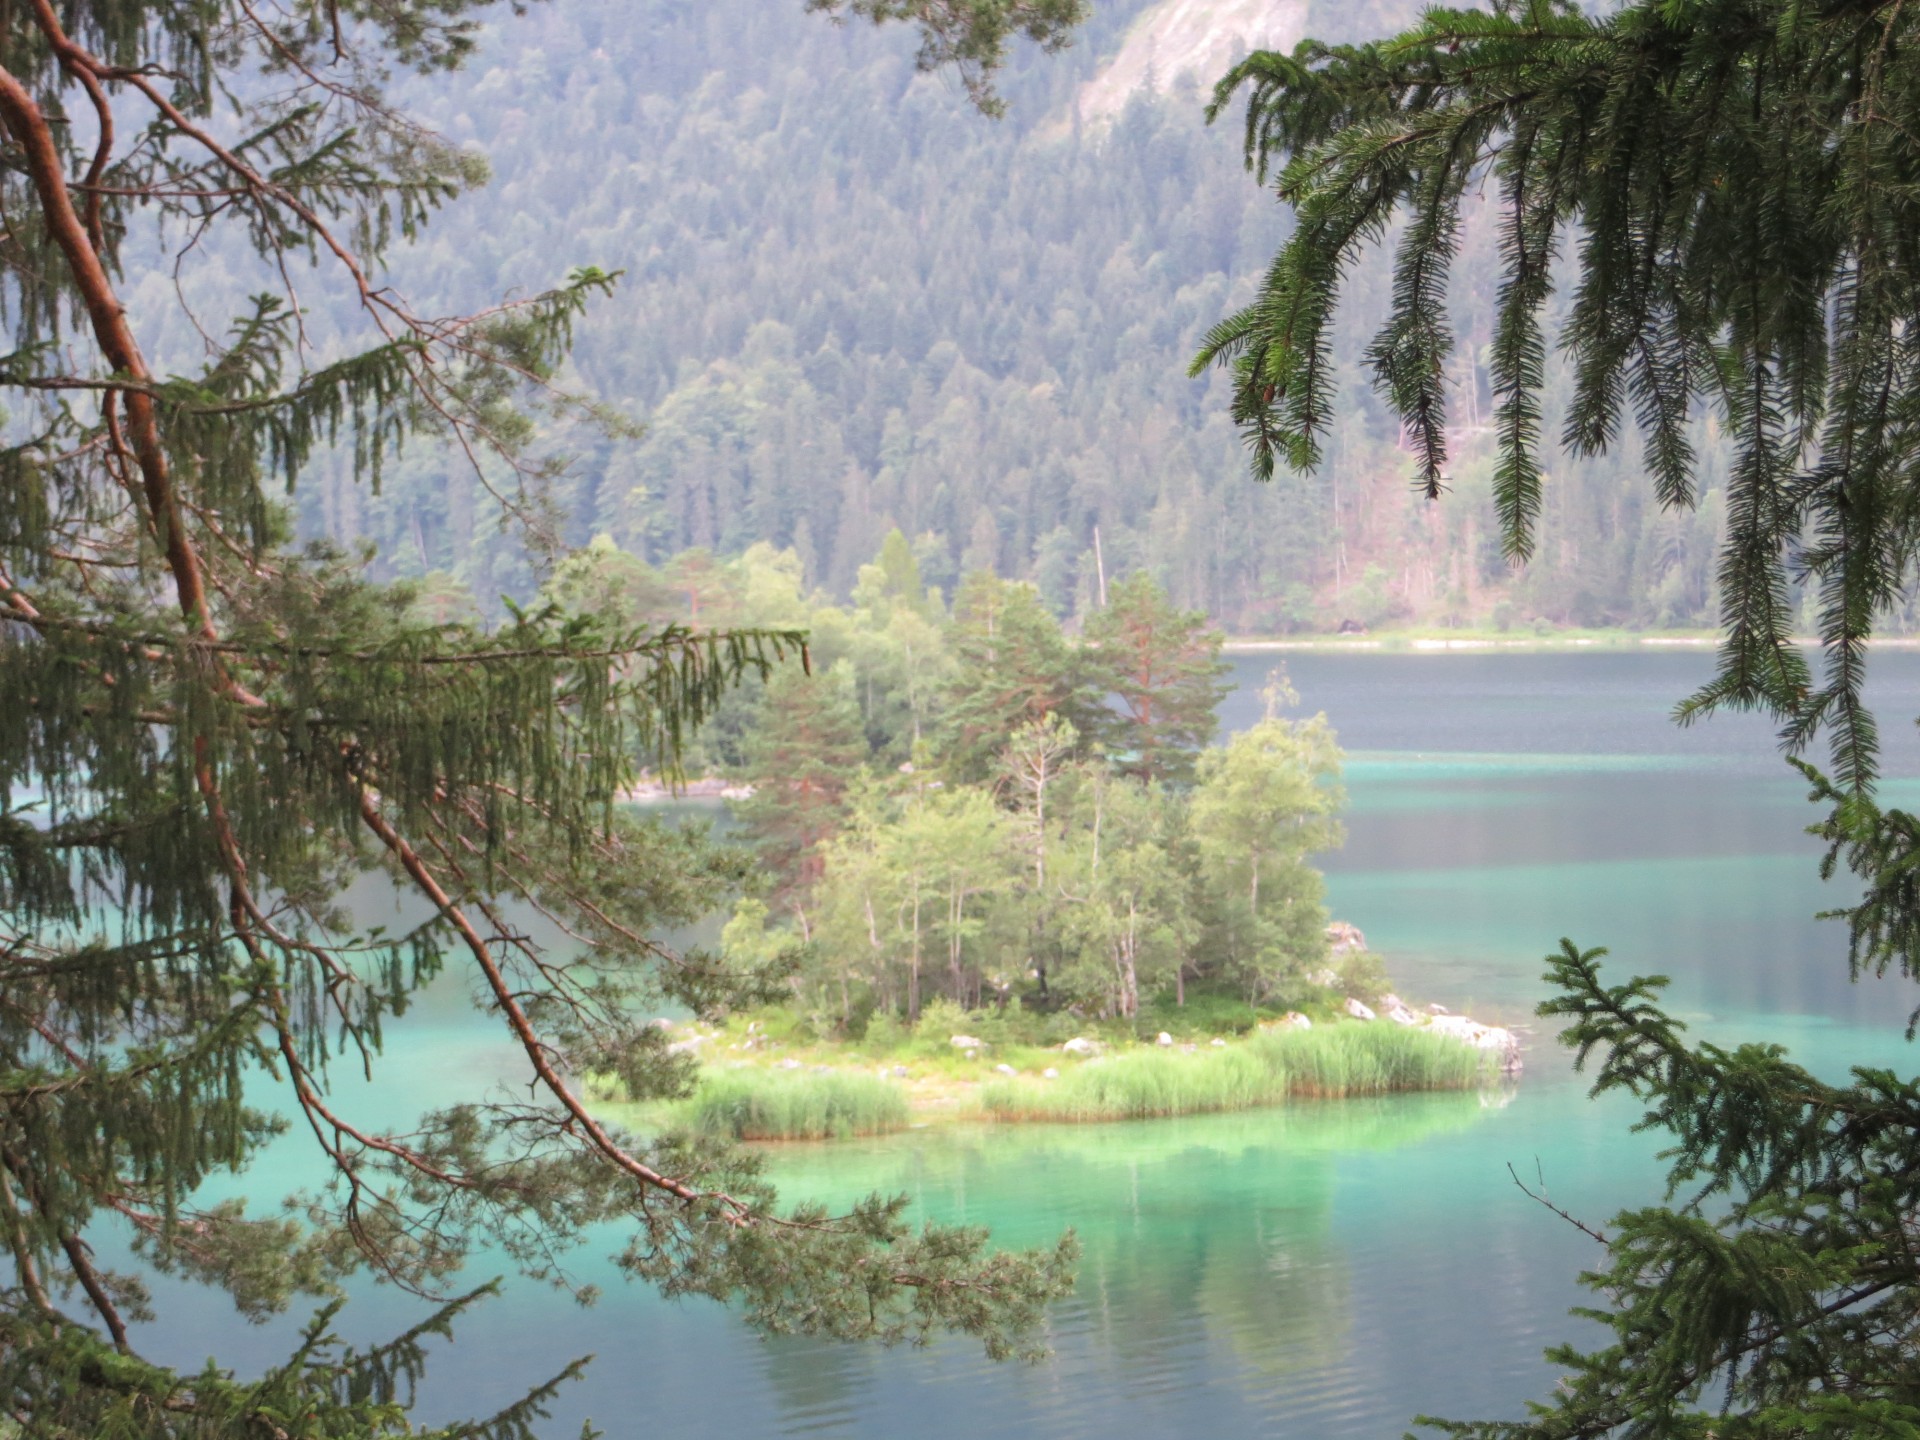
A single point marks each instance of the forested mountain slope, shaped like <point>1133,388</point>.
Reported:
<point>852,302</point>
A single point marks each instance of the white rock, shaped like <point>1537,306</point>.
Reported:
<point>789,1064</point>
<point>1438,1010</point>
<point>966,1042</point>
<point>1049,1073</point>
<point>1395,1009</point>
<point>1165,1039</point>
<point>1344,937</point>
<point>1006,1070</point>
<point>1326,979</point>
<point>1294,1020</point>
<point>1080,1045</point>
<point>1358,1010</point>
<point>1482,1037</point>
<point>1217,1041</point>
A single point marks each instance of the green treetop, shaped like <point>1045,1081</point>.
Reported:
<point>1265,804</point>
<point>1728,186</point>
<point>802,753</point>
<point>1162,664</point>
<point>206,734</point>
<point>1011,667</point>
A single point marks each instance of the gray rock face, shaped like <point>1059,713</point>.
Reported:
<point>1395,1009</point>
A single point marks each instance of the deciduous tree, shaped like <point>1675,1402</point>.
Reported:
<point>1265,804</point>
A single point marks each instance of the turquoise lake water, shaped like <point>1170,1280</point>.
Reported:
<point>1323,1270</point>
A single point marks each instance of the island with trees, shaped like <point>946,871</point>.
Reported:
<point>994,860</point>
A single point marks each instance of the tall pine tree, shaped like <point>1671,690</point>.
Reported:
<point>205,734</point>
<point>1163,667</point>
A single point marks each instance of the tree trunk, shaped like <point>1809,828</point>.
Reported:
<point>956,907</point>
<point>913,971</point>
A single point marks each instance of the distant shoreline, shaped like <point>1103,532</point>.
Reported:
<point>1470,642</point>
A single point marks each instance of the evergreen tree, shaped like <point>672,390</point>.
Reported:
<point>1736,179</point>
<point>205,733</point>
<point>802,754</point>
<point>1163,666</point>
<point>1012,667</point>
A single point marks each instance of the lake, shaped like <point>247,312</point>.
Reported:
<point>1319,1271</point>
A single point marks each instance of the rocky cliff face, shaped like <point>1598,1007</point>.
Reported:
<point>1193,40</point>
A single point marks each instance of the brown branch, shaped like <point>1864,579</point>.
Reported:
<point>1580,1225</point>
<point>79,64</point>
<point>522,1027</point>
<point>28,126</point>
<point>23,1260</point>
<point>81,1260</point>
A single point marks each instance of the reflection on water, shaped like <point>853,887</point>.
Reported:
<point>1322,1270</point>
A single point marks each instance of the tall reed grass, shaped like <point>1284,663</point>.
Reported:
<point>750,1104</point>
<point>1329,1062</point>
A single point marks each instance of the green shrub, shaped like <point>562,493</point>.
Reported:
<point>1205,1014</point>
<point>750,1104</point>
<point>941,1020</point>
<point>1363,975</point>
<point>885,1032</point>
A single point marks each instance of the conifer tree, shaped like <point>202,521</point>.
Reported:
<point>1729,186</point>
<point>1012,668</point>
<point>205,733</point>
<point>1163,666</point>
<point>803,753</point>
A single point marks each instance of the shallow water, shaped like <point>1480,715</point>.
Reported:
<point>1323,1270</point>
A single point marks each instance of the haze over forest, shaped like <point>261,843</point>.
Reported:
<point>851,303</point>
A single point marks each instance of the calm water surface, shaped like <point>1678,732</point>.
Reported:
<point>1323,1270</point>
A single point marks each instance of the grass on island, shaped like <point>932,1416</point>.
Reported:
<point>1327,1062</point>
<point>822,1088</point>
<point>755,1104</point>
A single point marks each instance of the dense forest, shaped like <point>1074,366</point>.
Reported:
<point>851,303</point>
<point>956,805</point>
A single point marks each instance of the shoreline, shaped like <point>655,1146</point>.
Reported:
<point>761,1089</point>
<point>1484,642</point>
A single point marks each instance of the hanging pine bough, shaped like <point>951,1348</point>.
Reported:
<point>1734,183</point>
<point>205,734</point>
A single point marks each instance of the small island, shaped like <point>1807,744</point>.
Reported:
<point>990,869</point>
<point>767,1076</point>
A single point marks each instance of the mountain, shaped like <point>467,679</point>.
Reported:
<point>851,302</point>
